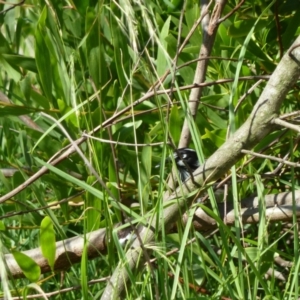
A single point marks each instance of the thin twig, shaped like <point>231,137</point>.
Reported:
<point>12,7</point>
<point>113,150</point>
<point>289,115</point>
<point>121,143</point>
<point>174,65</point>
<point>278,27</point>
<point>231,12</point>
<point>246,94</point>
<point>286,124</point>
<point>203,58</point>
<point>195,26</point>
<point>279,167</point>
<point>289,163</point>
<point>78,150</point>
<point>209,28</point>
<point>66,290</point>
<point>62,154</point>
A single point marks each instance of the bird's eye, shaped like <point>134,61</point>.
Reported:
<point>186,161</point>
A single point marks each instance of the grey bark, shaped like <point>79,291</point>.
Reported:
<point>257,126</point>
<point>279,207</point>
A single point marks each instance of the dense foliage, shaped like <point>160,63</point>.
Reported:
<point>111,81</point>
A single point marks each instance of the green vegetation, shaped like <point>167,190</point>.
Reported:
<point>94,95</point>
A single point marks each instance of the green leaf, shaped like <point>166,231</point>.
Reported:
<point>252,253</point>
<point>25,86</point>
<point>112,184</point>
<point>47,241</point>
<point>146,172</point>
<point>95,49</point>
<point>174,127</point>
<point>241,28</point>
<point>25,62</point>
<point>2,226</point>
<point>254,51</point>
<point>81,6</point>
<point>192,14</point>
<point>42,55</point>
<point>84,276</point>
<point>93,207</point>
<point>121,55</point>
<point>162,55</point>
<point>17,110</point>
<point>218,137</point>
<point>11,70</point>
<point>68,112</point>
<point>53,41</point>
<point>293,24</point>
<point>72,179</point>
<point>4,45</point>
<point>29,267</point>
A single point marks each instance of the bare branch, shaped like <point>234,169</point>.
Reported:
<point>209,26</point>
<point>283,161</point>
<point>12,7</point>
<point>246,94</point>
<point>286,124</point>
<point>279,207</point>
<point>25,119</point>
<point>231,12</point>
<point>257,126</point>
<point>69,252</point>
<point>61,291</point>
<point>120,143</point>
<point>70,149</point>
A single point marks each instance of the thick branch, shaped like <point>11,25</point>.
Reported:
<point>279,207</point>
<point>69,252</point>
<point>257,126</point>
<point>210,27</point>
<point>70,149</point>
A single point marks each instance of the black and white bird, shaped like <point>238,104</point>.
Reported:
<point>186,161</point>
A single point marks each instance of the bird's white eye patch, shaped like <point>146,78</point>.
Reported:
<point>183,155</point>
<point>180,163</point>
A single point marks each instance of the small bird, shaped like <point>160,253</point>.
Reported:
<point>187,162</point>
